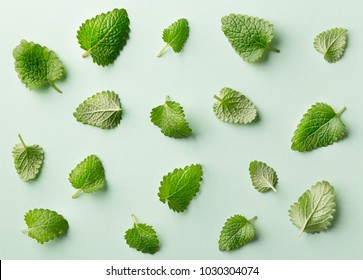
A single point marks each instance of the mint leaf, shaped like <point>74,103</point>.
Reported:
<point>175,36</point>
<point>331,43</point>
<point>104,36</point>
<point>142,237</point>
<point>101,110</point>
<point>44,225</point>
<point>170,119</point>
<point>249,36</point>
<point>88,176</point>
<point>28,160</point>
<point>263,177</point>
<point>236,232</point>
<point>179,187</point>
<point>37,66</point>
<point>315,209</point>
<point>319,127</point>
<point>232,106</point>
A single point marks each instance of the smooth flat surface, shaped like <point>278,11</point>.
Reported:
<point>136,155</point>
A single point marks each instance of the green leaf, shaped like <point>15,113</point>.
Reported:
<point>170,119</point>
<point>179,187</point>
<point>175,36</point>
<point>104,36</point>
<point>88,176</point>
<point>44,225</point>
<point>101,110</point>
<point>331,43</point>
<point>142,237</point>
<point>37,66</point>
<point>263,177</point>
<point>28,160</point>
<point>232,106</point>
<point>319,127</point>
<point>315,209</point>
<point>249,36</point>
<point>236,232</point>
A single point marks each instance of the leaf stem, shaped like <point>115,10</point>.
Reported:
<point>22,141</point>
<point>273,188</point>
<point>253,219</point>
<point>301,231</point>
<point>25,230</point>
<point>77,193</point>
<point>54,86</point>
<point>341,111</point>
<point>87,53</point>
<point>134,219</point>
<point>167,98</point>
<point>218,98</point>
<point>273,49</point>
<point>162,50</point>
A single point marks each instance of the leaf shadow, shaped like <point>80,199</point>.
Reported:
<point>56,242</point>
<point>102,191</point>
<point>266,56</point>
<point>257,119</point>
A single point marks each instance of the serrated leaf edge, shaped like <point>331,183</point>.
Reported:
<point>184,169</point>
<point>45,210</point>
<point>308,112</point>
<point>169,44</point>
<point>182,114</point>
<point>24,147</point>
<point>341,52</point>
<point>266,47</point>
<point>273,188</point>
<point>329,223</point>
<point>220,99</point>
<point>250,221</point>
<point>88,52</point>
<point>80,190</point>
<point>94,96</point>
<point>45,48</point>
<point>135,224</point>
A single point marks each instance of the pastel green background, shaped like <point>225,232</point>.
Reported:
<point>136,155</point>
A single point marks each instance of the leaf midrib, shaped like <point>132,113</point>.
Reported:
<point>311,214</point>
<point>101,111</point>
<point>177,190</point>
<point>105,36</point>
<point>268,183</point>
<point>238,232</point>
<point>325,124</point>
<point>328,49</point>
<point>43,224</point>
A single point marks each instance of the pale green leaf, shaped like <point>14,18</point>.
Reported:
<point>45,225</point>
<point>101,110</point>
<point>314,211</point>
<point>88,176</point>
<point>104,36</point>
<point>28,160</point>
<point>179,187</point>
<point>37,66</point>
<point>331,43</point>
<point>170,118</point>
<point>142,237</point>
<point>175,36</point>
<point>319,127</point>
<point>263,177</point>
<point>249,36</point>
<point>232,106</point>
<point>236,232</point>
